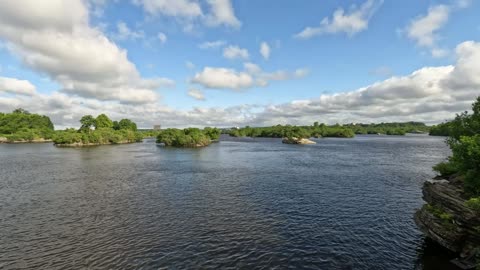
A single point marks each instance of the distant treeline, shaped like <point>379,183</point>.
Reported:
<point>321,130</point>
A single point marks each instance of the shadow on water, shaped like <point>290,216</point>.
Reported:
<point>432,256</point>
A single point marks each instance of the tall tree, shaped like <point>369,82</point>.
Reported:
<point>102,121</point>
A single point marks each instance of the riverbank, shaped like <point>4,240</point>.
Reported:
<point>40,140</point>
<point>81,144</point>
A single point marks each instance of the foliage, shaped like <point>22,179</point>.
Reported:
<point>445,168</point>
<point>464,140</point>
<point>443,129</point>
<point>125,124</point>
<point>20,119</point>
<point>104,132</point>
<point>474,204</point>
<point>389,128</point>
<point>102,121</point>
<point>87,122</point>
<point>20,125</point>
<point>189,137</point>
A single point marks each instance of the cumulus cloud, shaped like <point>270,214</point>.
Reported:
<point>235,52</point>
<point>352,22</point>
<point>251,76</point>
<point>265,50</point>
<point>16,86</point>
<point>56,39</point>
<point>212,44</point>
<point>223,78</point>
<point>429,94</point>
<point>196,94</point>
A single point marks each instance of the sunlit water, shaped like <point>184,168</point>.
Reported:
<point>240,203</point>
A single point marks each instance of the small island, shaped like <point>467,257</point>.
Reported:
<point>98,131</point>
<point>451,216</point>
<point>189,137</point>
<point>21,126</point>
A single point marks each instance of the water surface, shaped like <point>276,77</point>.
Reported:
<point>240,203</point>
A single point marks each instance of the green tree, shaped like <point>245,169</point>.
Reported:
<point>102,121</point>
<point>87,122</point>
<point>127,124</point>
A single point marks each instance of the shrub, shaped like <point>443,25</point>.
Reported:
<point>446,168</point>
<point>474,204</point>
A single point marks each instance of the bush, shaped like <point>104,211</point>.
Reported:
<point>474,204</point>
<point>445,168</point>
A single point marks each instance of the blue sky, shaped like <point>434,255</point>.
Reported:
<point>327,61</point>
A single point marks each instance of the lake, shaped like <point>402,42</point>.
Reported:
<point>240,203</point>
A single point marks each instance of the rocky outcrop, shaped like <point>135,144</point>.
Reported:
<point>3,140</point>
<point>448,221</point>
<point>295,140</point>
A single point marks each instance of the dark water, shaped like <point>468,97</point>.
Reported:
<point>339,204</point>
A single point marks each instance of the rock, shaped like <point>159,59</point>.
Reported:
<point>3,140</point>
<point>295,140</point>
<point>451,224</point>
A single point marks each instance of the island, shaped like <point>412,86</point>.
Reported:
<point>451,215</point>
<point>98,131</point>
<point>188,137</point>
<point>21,126</point>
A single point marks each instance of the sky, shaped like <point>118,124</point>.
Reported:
<point>226,63</point>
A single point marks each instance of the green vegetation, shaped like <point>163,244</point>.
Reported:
<point>322,130</point>
<point>389,128</point>
<point>20,125</point>
<point>464,140</point>
<point>474,204</point>
<point>105,132</point>
<point>189,137</point>
<point>447,219</point>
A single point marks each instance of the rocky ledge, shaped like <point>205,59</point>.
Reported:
<point>295,140</point>
<point>448,221</point>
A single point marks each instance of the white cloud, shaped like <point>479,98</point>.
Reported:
<point>80,58</point>
<point>347,22</point>
<point>212,44</point>
<point>252,76</point>
<point>423,29</point>
<point>223,78</point>
<point>222,13</point>
<point>162,37</point>
<point>177,8</point>
<point>265,50</point>
<point>189,12</point>
<point>235,52</point>
<point>430,94</point>
<point>16,86</point>
<point>123,32</point>
<point>196,94</point>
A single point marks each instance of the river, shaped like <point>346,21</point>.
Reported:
<point>240,203</point>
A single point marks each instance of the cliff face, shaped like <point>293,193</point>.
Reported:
<point>447,220</point>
